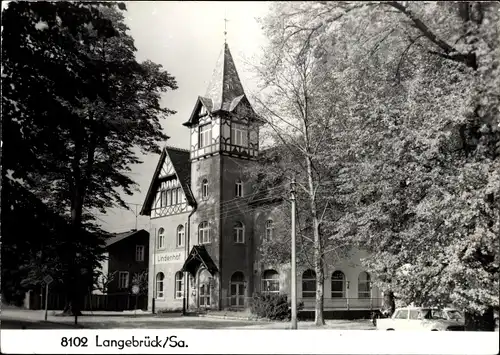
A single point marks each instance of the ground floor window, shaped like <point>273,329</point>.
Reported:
<point>123,280</point>
<point>179,285</point>
<point>309,284</point>
<point>364,287</point>
<point>270,281</point>
<point>160,278</point>
<point>338,284</point>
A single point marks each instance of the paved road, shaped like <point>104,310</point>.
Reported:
<point>23,324</point>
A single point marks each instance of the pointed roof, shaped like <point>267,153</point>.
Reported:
<point>182,166</point>
<point>224,91</point>
<point>225,84</point>
<point>199,256</point>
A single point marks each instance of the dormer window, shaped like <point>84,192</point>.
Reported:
<point>204,189</point>
<point>239,135</point>
<point>205,135</point>
<point>238,188</point>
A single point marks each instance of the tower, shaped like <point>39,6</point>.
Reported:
<point>224,141</point>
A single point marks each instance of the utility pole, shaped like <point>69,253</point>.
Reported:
<point>294,263</point>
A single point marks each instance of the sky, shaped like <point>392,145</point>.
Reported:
<point>186,38</point>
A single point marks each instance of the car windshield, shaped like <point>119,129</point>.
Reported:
<point>454,314</point>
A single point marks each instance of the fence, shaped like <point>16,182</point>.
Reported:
<point>309,303</point>
<point>109,302</point>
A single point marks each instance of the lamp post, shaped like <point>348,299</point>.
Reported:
<point>293,261</point>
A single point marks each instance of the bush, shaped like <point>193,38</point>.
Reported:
<point>272,306</point>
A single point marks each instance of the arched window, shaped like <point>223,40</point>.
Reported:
<point>179,285</point>
<point>270,281</point>
<point>308,284</point>
<point>160,277</point>
<point>161,239</point>
<point>238,289</point>
<point>180,235</point>
<point>364,286</point>
<point>269,229</point>
<point>203,233</point>
<point>338,284</point>
<point>238,188</point>
<point>239,233</point>
<point>204,189</point>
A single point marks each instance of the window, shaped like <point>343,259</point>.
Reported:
<point>239,233</point>
<point>179,195</point>
<point>160,277</point>
<point>203,233</point>
<point>169,197</point>
<point>402,314</point>
<point>205,136</point>
<point>238,189</point>
<point>308,284</point>
<point>163,198</point>
<point>161,239</point>
<point>269,229</point>
<point>123,279</point>
<point>180,235</point>
<point>338,284</point>
<point>139,253</point>
<point>271,281</point>
<point>415,314</point>
<point>204,189</point>
<point>239,135</point>
<point>364,286</point>
<point>179,285</point>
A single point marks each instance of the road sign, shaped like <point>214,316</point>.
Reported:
<point>135,289</point>
<point>48,279</point>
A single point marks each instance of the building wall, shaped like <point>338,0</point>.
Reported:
<point>167,260</point>
<point>122,258</point>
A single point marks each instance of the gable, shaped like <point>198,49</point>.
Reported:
<point>173,164</point>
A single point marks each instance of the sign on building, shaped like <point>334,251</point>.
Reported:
<point>170,258</point>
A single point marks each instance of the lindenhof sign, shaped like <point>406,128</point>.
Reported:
<point>170,258</point>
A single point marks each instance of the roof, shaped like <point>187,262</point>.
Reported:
<point>225,90</point>
<point>116,237</point>
<point>182,166</point>
<point>199,256</point>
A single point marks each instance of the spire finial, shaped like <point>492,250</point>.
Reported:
<point>225,26</point>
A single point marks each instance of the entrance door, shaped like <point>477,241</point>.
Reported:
<point>238,290</point>
<point>204,295</point>
<point>204,289</point>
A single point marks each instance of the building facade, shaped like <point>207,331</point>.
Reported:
<point>205,228</point>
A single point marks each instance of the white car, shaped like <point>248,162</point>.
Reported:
<point>417,318</point>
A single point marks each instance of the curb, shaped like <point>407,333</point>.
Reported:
<point>70,325</point>
<point>238,318</point>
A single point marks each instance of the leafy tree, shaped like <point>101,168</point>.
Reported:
<point>78,107</point>
<point>419,116</point>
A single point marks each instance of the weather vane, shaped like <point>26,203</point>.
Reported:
<point>225,26</point>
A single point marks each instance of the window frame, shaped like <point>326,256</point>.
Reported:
<point>179,285</point>
<point>120,286</point>
<point>179,241</point>
<point>204,134</point>
<point>239,135</point>
<point>137,248</point>
<point>365,294</point>
<point>204,189</point>
<point>238,188</point>
<point>342,281</point>
<point>162,283</point>
<point>204,231</point>
<point>309,294</point>
<point>239,233</point>
<point>266,281</point>
<point>269,229</point>
<point>160,241</point>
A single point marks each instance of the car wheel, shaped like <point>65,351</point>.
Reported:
<point>389,329</point>
<point>434,330</point>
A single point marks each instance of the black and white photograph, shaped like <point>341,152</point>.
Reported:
<point>249,167</point>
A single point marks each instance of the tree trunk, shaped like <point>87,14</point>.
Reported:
<point>480,322</point>
<point>388,306</point>
<point>319,318</point>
